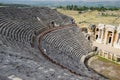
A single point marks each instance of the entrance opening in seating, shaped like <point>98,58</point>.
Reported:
<point>96,36</point>
<point>97,29</point>
<point>52,23</point>
<point>89,38</point>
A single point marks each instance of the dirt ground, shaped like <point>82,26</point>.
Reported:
<point>105,67</point>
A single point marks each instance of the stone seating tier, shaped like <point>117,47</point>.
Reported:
<point>19,60</point>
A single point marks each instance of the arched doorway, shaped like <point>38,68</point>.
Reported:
<point>97,30</point>
<point>96,36</point>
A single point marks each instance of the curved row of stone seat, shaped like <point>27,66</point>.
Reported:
<point>25,63</point>
<point>33,14</point>
<point>9,42</point>
<point>63,40</point>
<point>20,23</point>
<point>34,27</point>
<point>60,45</point>
<point>21,32</point>
<point>67,37</point>
<point>14,43</point>
<point>7,28</point>
<point>17,26</point>
<point>65,46</point>
<point>47,15</point>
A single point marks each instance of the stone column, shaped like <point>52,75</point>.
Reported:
<point>102,35</point>
<point>116,40</point>
<point>111,56</point>
<point>106,37</point>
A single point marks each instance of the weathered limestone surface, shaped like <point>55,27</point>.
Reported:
<point>21,59</point>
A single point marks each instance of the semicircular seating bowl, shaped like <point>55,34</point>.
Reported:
<point>65,46</point>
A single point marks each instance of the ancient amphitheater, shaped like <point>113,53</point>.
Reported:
<point>42,44</point>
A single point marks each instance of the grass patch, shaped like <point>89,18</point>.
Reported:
<point>107,60</point>
<point>106,67</point>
